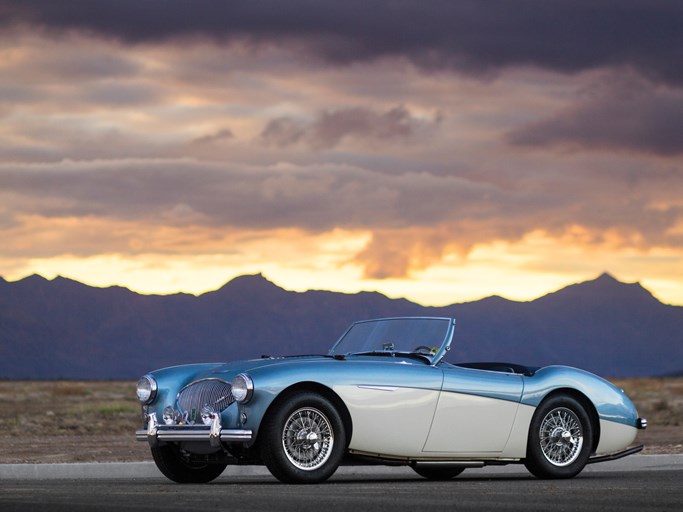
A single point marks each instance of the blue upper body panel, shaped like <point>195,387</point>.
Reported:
<point>500,385</point>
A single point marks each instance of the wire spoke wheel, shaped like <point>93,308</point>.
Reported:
<point>303,438</point>
<point>307,438</point>
<point>561,437</point>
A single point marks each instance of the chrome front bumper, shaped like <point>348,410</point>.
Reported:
<point>214,433</point>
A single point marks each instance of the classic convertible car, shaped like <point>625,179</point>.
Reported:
<point>383,395</point>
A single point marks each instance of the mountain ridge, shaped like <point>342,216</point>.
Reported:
<point>62,328</point>
<point>259,280</point>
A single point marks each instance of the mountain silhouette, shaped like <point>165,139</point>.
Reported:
<point>61,328</point>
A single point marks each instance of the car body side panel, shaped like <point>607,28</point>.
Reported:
<point>476,411</point>
<point>519,435</point>
<point>389,420</point>
<point>470,424</point>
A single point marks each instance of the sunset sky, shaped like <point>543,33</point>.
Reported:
<point>441,151</point>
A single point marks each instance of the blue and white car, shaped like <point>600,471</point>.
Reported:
<point>383,394</point>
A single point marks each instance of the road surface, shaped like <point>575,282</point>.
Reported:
<point>652,482</point>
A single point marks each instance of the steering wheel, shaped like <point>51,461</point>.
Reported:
<point>423,347</point>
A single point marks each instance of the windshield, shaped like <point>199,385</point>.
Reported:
<point>430,337</point>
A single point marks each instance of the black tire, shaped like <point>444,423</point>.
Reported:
<point>302,439</point>
<point>560,438</point>
<point>180,469</point>
<point>438,473</point>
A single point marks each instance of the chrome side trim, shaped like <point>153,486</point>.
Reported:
<point>379,388</point>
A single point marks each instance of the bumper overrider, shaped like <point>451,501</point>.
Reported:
<point>213,433</point>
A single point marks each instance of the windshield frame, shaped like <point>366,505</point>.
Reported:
<point>433,359</point>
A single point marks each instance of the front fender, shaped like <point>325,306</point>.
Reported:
<point>171,380</point>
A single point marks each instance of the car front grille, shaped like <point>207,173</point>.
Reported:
<point>213,392</point>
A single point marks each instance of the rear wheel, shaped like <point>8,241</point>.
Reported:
<point>560,438</point>
<point>303,439</point>
<point>179,468</point>
<point>438,473</point>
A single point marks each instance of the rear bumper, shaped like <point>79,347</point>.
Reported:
<point>214,434</point>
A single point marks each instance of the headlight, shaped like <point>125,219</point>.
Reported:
<point>147,389</point>
<point>242,388</point>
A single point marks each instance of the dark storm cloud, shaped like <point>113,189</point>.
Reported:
<point>283,132</point>
<point>626,114</point>
<point>220,135</point>
<point>331,127</point>
<point>473,35</point>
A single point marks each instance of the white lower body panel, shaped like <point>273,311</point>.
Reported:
<point>389,420</point>
<point>519,435</point>
<point>470,424</point>
<point>614,437</point>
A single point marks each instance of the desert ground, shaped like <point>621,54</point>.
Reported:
<point>95,421</point>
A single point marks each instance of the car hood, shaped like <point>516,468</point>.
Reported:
<point>235,367</point>
<point>227,371</point>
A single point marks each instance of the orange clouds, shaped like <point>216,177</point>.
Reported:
<point>201,159</point>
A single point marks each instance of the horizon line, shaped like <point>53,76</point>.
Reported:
<point>274,283</point>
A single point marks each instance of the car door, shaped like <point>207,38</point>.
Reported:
<point>475,411</point>
<point>391,406</point>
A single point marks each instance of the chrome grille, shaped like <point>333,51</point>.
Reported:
<point>213,392</point>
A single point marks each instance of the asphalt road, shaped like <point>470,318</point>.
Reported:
<point>643,486</point>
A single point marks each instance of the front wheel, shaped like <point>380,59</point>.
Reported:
<point>560,438</point>
<point>303,439</point>
<point>179,468</point>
